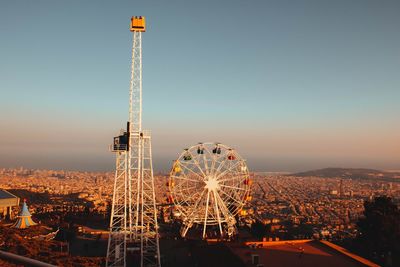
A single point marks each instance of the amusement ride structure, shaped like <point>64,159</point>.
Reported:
<point>209,184</point>
<point>133,223</point>
<point>24,218</point>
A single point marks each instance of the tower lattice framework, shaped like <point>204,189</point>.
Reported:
<point>133,224</point>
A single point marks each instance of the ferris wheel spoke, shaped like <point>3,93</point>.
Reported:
<point>188,201</point>
<point>222,163</point>
<point>203,158</point>
<point>223,159</point>
<point>231,190</point>
<point>195,173</point>
<point>211,171</point>
<point>236,194</point>
<point>224,209</point>
<point>197,203</point>
<point>206,164</point>
<point>237,201</point>
<point>231,178</point>
<point>186,189</point>
<point>181,190</point>
<point>186,179</point>
<point>184,198</point>
<point>232,187</point>
<point>197,164</point>
<point>228,170</point>
<point>185,186</point>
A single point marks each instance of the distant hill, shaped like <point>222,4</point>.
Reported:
<point>351,174</point>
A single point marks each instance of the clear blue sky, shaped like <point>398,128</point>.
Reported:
<point>292,85</point>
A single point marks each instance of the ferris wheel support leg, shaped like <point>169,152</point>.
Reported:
<point>218,216</point>
<point>232,230</point>
<point>185,228</point>
<point>206,215</point>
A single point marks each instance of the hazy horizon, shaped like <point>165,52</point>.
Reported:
<point>293,86</point>
<point>166,172</point>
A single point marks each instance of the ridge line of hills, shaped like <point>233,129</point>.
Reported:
<point>351,173</point>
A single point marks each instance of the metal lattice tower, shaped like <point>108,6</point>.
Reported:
<point>133,224</point>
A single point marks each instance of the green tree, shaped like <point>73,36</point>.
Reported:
<point>259,230</point>
<point>379,230</point>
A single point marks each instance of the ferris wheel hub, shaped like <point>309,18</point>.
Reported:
<point>211,184</point>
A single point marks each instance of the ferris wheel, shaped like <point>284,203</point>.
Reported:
<point>209,184</point>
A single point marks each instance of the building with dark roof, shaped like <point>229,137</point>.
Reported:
<point>7,202</point>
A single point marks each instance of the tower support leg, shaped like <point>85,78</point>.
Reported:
<point>116,250</point>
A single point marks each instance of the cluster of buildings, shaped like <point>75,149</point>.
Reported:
<point>65,189</point>
<point>330,206</point>
<point>56,182</point>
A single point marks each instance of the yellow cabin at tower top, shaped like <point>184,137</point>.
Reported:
<point>138,24</point>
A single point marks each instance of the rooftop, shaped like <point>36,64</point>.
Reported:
<point>4,194</point>
<point>299,253</point>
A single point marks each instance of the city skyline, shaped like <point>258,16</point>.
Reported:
<point>290,87</point>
